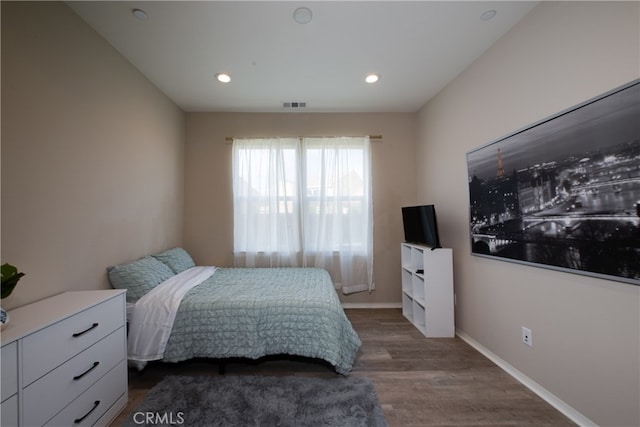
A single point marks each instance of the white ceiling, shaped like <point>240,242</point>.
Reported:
<point>416,47</point>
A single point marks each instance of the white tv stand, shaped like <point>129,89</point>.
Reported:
<point>427,289</point>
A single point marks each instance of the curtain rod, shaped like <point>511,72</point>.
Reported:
<point>229,139</point>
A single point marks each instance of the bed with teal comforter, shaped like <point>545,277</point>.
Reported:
<point>179,311</point>
<point>256,312</point>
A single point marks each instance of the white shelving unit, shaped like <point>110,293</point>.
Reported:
<point>427,289</point>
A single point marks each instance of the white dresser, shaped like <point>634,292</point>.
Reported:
<point>64,361</point>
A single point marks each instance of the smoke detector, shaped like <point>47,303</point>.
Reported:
<point>302,15</point>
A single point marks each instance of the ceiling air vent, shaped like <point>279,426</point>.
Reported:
<point>294,105</point>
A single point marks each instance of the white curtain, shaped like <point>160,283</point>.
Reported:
<point>305,202</point>
<point>266,228</point>
<point>337,210</point>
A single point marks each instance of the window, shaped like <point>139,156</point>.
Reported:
<point>305,202</point>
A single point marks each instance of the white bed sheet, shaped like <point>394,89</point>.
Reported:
<point>152,316</point>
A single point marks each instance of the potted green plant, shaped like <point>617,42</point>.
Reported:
<point>10,278</point>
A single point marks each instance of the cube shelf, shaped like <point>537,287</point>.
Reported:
<point>427,289</point>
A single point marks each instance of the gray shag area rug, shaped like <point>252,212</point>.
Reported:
<point>259,401</point>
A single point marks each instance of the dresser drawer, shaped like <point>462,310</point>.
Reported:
<point>55,344</point>
<point>54,391</point>
<point>9,370</point>
<point>92,404</point>
<point>9,412</point>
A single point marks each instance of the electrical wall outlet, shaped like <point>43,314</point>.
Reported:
<point>527,338</point>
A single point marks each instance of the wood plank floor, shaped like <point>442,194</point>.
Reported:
<point>419,381</point>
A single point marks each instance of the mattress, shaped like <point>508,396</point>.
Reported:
<point>256,312</point>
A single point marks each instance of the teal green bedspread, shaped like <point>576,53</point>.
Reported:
<point>255,312</point>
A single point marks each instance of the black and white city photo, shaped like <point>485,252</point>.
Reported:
<point>564,193</point>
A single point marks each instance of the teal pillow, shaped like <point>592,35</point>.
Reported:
<point>177,259</point>
<point>139,277</point>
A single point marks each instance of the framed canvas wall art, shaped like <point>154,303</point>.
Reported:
<point>564,193</point>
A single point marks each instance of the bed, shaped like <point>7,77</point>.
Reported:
<point>178,311</point>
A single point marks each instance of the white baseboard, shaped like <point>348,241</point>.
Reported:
<point>545,394</point>
<point>371,305</point>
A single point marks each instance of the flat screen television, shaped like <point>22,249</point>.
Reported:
<point>420,225</point>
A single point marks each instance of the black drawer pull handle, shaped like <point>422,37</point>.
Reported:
<point>95,365</point>
<point>77,334</point>
<point>95,405</point>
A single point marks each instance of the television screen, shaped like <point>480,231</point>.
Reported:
<point>420,225</point>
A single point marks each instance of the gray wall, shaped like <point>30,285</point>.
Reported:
<point>586,331</point>
<point>92,155</point>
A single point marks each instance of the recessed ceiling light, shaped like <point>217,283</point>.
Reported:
<point>223,77</point>
<point>140,14</point>
<point>372,78</point>
<point>488,15</point>
<point>302,15</point>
